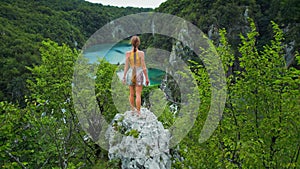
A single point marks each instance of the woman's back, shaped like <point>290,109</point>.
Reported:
<point>134,72</point>
<point>137,56</point>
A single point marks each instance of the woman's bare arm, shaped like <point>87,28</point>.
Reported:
<point>144,67</point>
<point>126,65</point>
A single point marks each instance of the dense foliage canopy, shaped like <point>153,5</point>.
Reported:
<point>41,40</point>
<point>25,24</point>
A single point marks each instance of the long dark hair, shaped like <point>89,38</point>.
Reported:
<point>135,42</point>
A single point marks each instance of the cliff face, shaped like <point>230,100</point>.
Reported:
<point>211,16</point>
<point>140,142</point>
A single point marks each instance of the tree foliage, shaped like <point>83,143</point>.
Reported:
<point>46,133</point>
<point>260,123</point>
<point>213,15</point>
<point>25,24</point>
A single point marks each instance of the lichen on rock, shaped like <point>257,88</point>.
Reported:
<point>139,141</point>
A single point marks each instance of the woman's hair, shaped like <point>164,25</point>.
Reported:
<point>135,42</point>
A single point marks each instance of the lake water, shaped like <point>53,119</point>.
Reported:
<point>116,55</point>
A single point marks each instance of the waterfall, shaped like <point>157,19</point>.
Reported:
<point>153,27</point>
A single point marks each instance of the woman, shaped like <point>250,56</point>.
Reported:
<point>134,75</point>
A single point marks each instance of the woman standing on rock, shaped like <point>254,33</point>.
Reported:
<point>134,75</point>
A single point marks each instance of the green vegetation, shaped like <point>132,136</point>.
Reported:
<point>39,127</point>
<point>260,124</point>
<point>134,133</point>
<point>213,15</point>
<point>25,24</point>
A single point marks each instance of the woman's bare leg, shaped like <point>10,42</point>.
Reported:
<point>138,92</point>
<point>131,97</point>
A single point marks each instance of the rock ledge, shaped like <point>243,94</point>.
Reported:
<point>140,142</point>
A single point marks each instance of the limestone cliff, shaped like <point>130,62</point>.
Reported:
<point>140,142</point>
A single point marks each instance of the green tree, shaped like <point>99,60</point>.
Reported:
<point>47,133</point>
<point>260,123</point>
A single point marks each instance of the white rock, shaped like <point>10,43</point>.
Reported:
<point>146,144</point>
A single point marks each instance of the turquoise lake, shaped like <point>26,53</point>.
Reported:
<point>116,55</point>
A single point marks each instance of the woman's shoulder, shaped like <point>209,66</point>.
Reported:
<point>141,53</point>
<point>127,53</point>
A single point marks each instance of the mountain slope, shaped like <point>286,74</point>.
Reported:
<point>25,24</point>
<point>212,15</point>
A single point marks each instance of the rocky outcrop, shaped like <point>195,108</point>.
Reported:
<point>140,142</point>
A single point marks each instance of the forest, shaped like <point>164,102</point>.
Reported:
<point>257,41</point>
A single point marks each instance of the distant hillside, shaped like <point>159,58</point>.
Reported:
<point>212,15</point>
<point>25,23</point>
